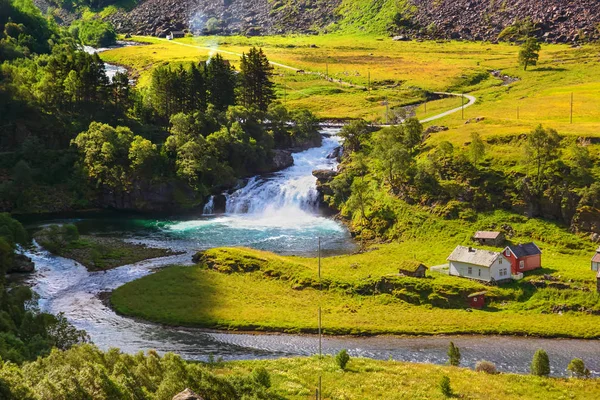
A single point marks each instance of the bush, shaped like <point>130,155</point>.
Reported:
<point>540,365</point>
<point>445,387</point>
<point>486,367</point>
<point>577,368</point>
<point>453,355</point>
<point>342,359</point>
<point>261,376</point>
<point>94,32</point>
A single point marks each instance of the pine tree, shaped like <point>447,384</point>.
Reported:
<point>220,83</point>
<point>540,364</point>
<point>453,355</point>
<point>256,86</point>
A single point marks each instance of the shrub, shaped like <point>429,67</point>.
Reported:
<point>342,359</point>
<point>540,365</point>
<point>486,366</point>
<point>453,355</point>
<point>261,376</point>
<point>445,387</point>
<point>577,368</point>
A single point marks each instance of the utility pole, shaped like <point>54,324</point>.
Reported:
<point>571,107</point>
<point>320,291</point>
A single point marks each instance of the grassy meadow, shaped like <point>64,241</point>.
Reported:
<point>297,378</point>
<point>244,289</point>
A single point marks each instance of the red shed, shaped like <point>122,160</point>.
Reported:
<point>477,300</point>
<point>524,257</point>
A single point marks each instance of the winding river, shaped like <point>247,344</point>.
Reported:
<point>277,212</point>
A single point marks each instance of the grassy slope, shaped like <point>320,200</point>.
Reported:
<point>368,379</point>
<point>282,294</point>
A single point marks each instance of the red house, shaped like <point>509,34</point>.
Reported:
<point>524,257</point>
<point>477,300</point>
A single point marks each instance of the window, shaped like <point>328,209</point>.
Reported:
<point>470,270</point>
<point>507,252</point>
<point>475,299</point>
<point>500,260</point>
<point>479,271</point>
<point>521,264</point>
<point>503,272</point>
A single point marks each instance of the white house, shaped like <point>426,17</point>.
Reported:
<point>596,261</point>
<point>479,264</point>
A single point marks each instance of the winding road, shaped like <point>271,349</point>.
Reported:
<point>472,99</point>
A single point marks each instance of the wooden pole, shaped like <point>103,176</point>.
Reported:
<point>571,107</point>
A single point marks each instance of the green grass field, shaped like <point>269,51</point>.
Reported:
<point>244,289</point>
<point>297,378</point>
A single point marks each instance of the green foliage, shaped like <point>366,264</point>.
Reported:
<point>445,388</point>
<point>529,53</point>
<point>453,355</point>
<point>353,133</point>
<point>476,148</point>
<point>540,365</point>
<point>256,80</point>
<point>261,376</point>
<point>342,358</point>
<point>577,368</point>
<point>94,32</point>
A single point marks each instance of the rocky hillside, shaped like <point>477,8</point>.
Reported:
<point>248,17</point>
<point>557,20</point>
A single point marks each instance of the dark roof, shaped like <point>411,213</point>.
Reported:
<point>487,235</point>
<point>525,250</point>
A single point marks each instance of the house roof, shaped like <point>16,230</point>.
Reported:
<point>487,235</point>
<point>596,258</point>
<point>525,250</point>
<point>477,294</point>
<point>411,266</point>
<point>469,255</point>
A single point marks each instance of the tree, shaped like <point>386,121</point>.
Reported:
<point>453,355</point>
<point>220,83</point>
<point>529,53</point>
<point>413,134</point>
<point>577,368</point>
<point>361,197</point>
<point>445,387</point>
<point>540,365</point>
<point>352,133</point>
<point>393,159</point>
<point>342,359</point>
<point>476,148</point>
<point>541,149</point>
<point>261,376</point>
<point>256,85</point>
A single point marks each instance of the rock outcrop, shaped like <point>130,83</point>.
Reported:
<point>324,178</point>
<point>187,394</point>
<point>282,159</point>
<point>22,265</point>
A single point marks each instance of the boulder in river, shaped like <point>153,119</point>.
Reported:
<point>282,159</point>
<point>22,265</point>
<point>187,394</point>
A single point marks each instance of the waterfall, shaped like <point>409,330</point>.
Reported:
<point>292,191</point>
<point>209,207</point>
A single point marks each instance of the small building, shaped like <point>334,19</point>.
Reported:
<point>412,268</point>
<point>523,257</point>
<point>477,300</point>
<point>487,238</point>
<point>175,35</point>
<point>596,261</point>
<point>482,265</point>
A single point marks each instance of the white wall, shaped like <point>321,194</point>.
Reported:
<point>595,266</point>
<point>462,269</point>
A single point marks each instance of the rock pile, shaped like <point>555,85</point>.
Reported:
<point>558,21</point>
<point>247,17</point>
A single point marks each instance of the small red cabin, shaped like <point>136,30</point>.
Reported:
<point>477,300</point>
<point>524,257</point>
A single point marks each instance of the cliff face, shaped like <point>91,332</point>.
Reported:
<point>559,21</point>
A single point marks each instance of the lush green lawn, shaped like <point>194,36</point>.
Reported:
<point>297,378</point>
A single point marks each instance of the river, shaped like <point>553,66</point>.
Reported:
<point>276,212</point>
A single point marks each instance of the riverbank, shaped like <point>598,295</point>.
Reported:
<point>99,253</point>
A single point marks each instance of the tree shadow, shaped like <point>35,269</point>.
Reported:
<point>548,69</point>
